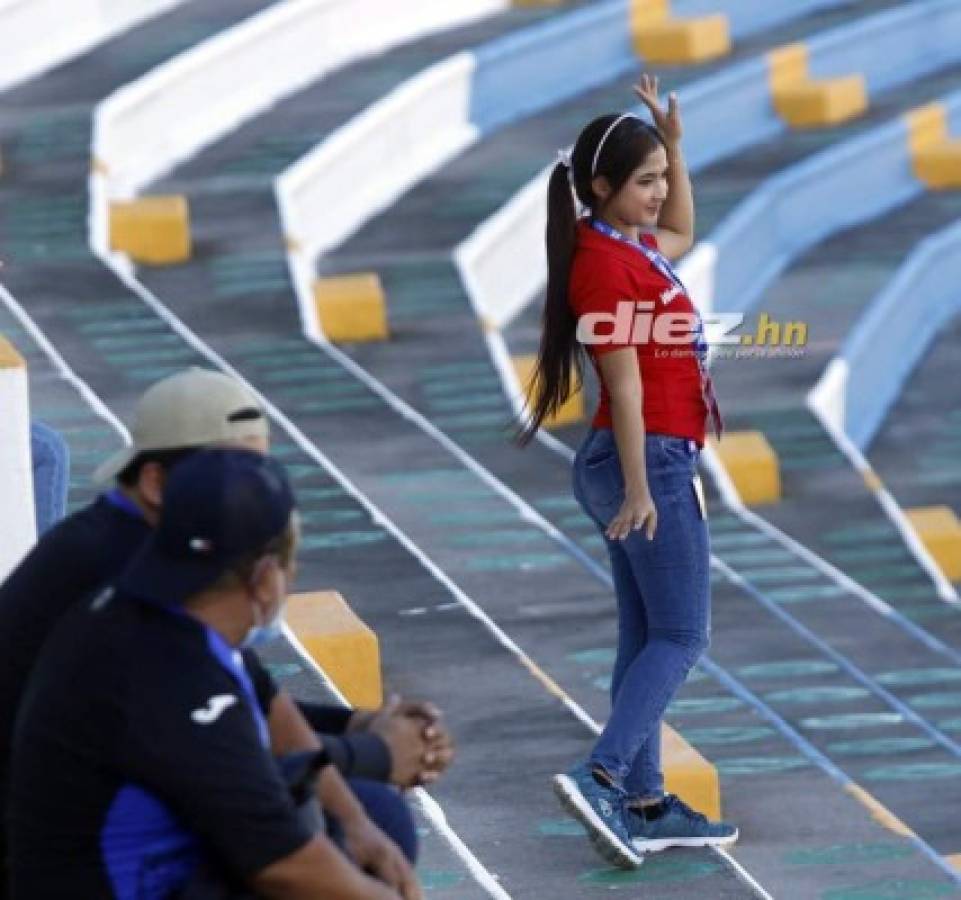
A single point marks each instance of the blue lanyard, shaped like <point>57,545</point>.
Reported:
<point>232,661</point>
<point>656,258</point>
<point>663,265</point>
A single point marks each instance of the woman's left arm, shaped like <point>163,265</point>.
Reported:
<point>675,227</point>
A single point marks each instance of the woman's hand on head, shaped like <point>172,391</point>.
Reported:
<point>668,121</point>
<point>637,512</point>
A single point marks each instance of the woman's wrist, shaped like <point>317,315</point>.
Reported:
<point>637,491</point>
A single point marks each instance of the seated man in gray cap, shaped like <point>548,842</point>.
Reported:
<point>141,752</point>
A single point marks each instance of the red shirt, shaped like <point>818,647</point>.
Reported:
<point>607,272</point>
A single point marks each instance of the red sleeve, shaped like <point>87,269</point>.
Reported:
<point>604,299</point>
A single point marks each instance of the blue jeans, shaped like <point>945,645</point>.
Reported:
<point>51,475</point>
<point>388,809</point>
<point>663,599</point>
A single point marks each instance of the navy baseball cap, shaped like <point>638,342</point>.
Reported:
<point>219,505</point>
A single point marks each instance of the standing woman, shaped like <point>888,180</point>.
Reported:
<point>635,473</point>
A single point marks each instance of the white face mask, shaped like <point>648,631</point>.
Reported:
<point>264,632</point>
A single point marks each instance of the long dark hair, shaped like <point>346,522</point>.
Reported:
<point>561,358</point>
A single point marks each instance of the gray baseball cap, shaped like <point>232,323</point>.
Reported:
<point>194,408</point>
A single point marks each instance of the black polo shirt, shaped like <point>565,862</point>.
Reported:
<point>140,749</point>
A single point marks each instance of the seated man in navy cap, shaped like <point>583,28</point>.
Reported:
<point>140,752</point>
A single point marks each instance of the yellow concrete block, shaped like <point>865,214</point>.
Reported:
<point>352,308</point>
<point>152,230</point>
<point>340,643</point>
<point>940,532</point>
<point>787,65</point>
<point>689,775</point>
<point>752,464</point>
<point>816,104</point>
<point>927,127</point>
<point>571,411</point>
<point>683,41</point>
<point>939,166</point>
<point>804,102</point>
<point>647,12</point>
<point>9,357</point>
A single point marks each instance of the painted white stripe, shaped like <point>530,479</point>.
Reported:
<point>743,874</point>
<point>435,814</point>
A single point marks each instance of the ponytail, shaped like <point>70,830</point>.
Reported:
<point>559,355</point>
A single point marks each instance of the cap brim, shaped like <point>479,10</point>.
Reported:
<point>155,575</point>
<point>108,471</point>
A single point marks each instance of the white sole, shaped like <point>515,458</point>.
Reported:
<point>604,840</point>
<point>642,846</point>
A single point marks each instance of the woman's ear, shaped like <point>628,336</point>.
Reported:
<point>601,188</point>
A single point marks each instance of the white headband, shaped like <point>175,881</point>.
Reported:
<point>607,134</point>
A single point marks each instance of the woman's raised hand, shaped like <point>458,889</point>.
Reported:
<point>668,121</point>
<point>636,513</point>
